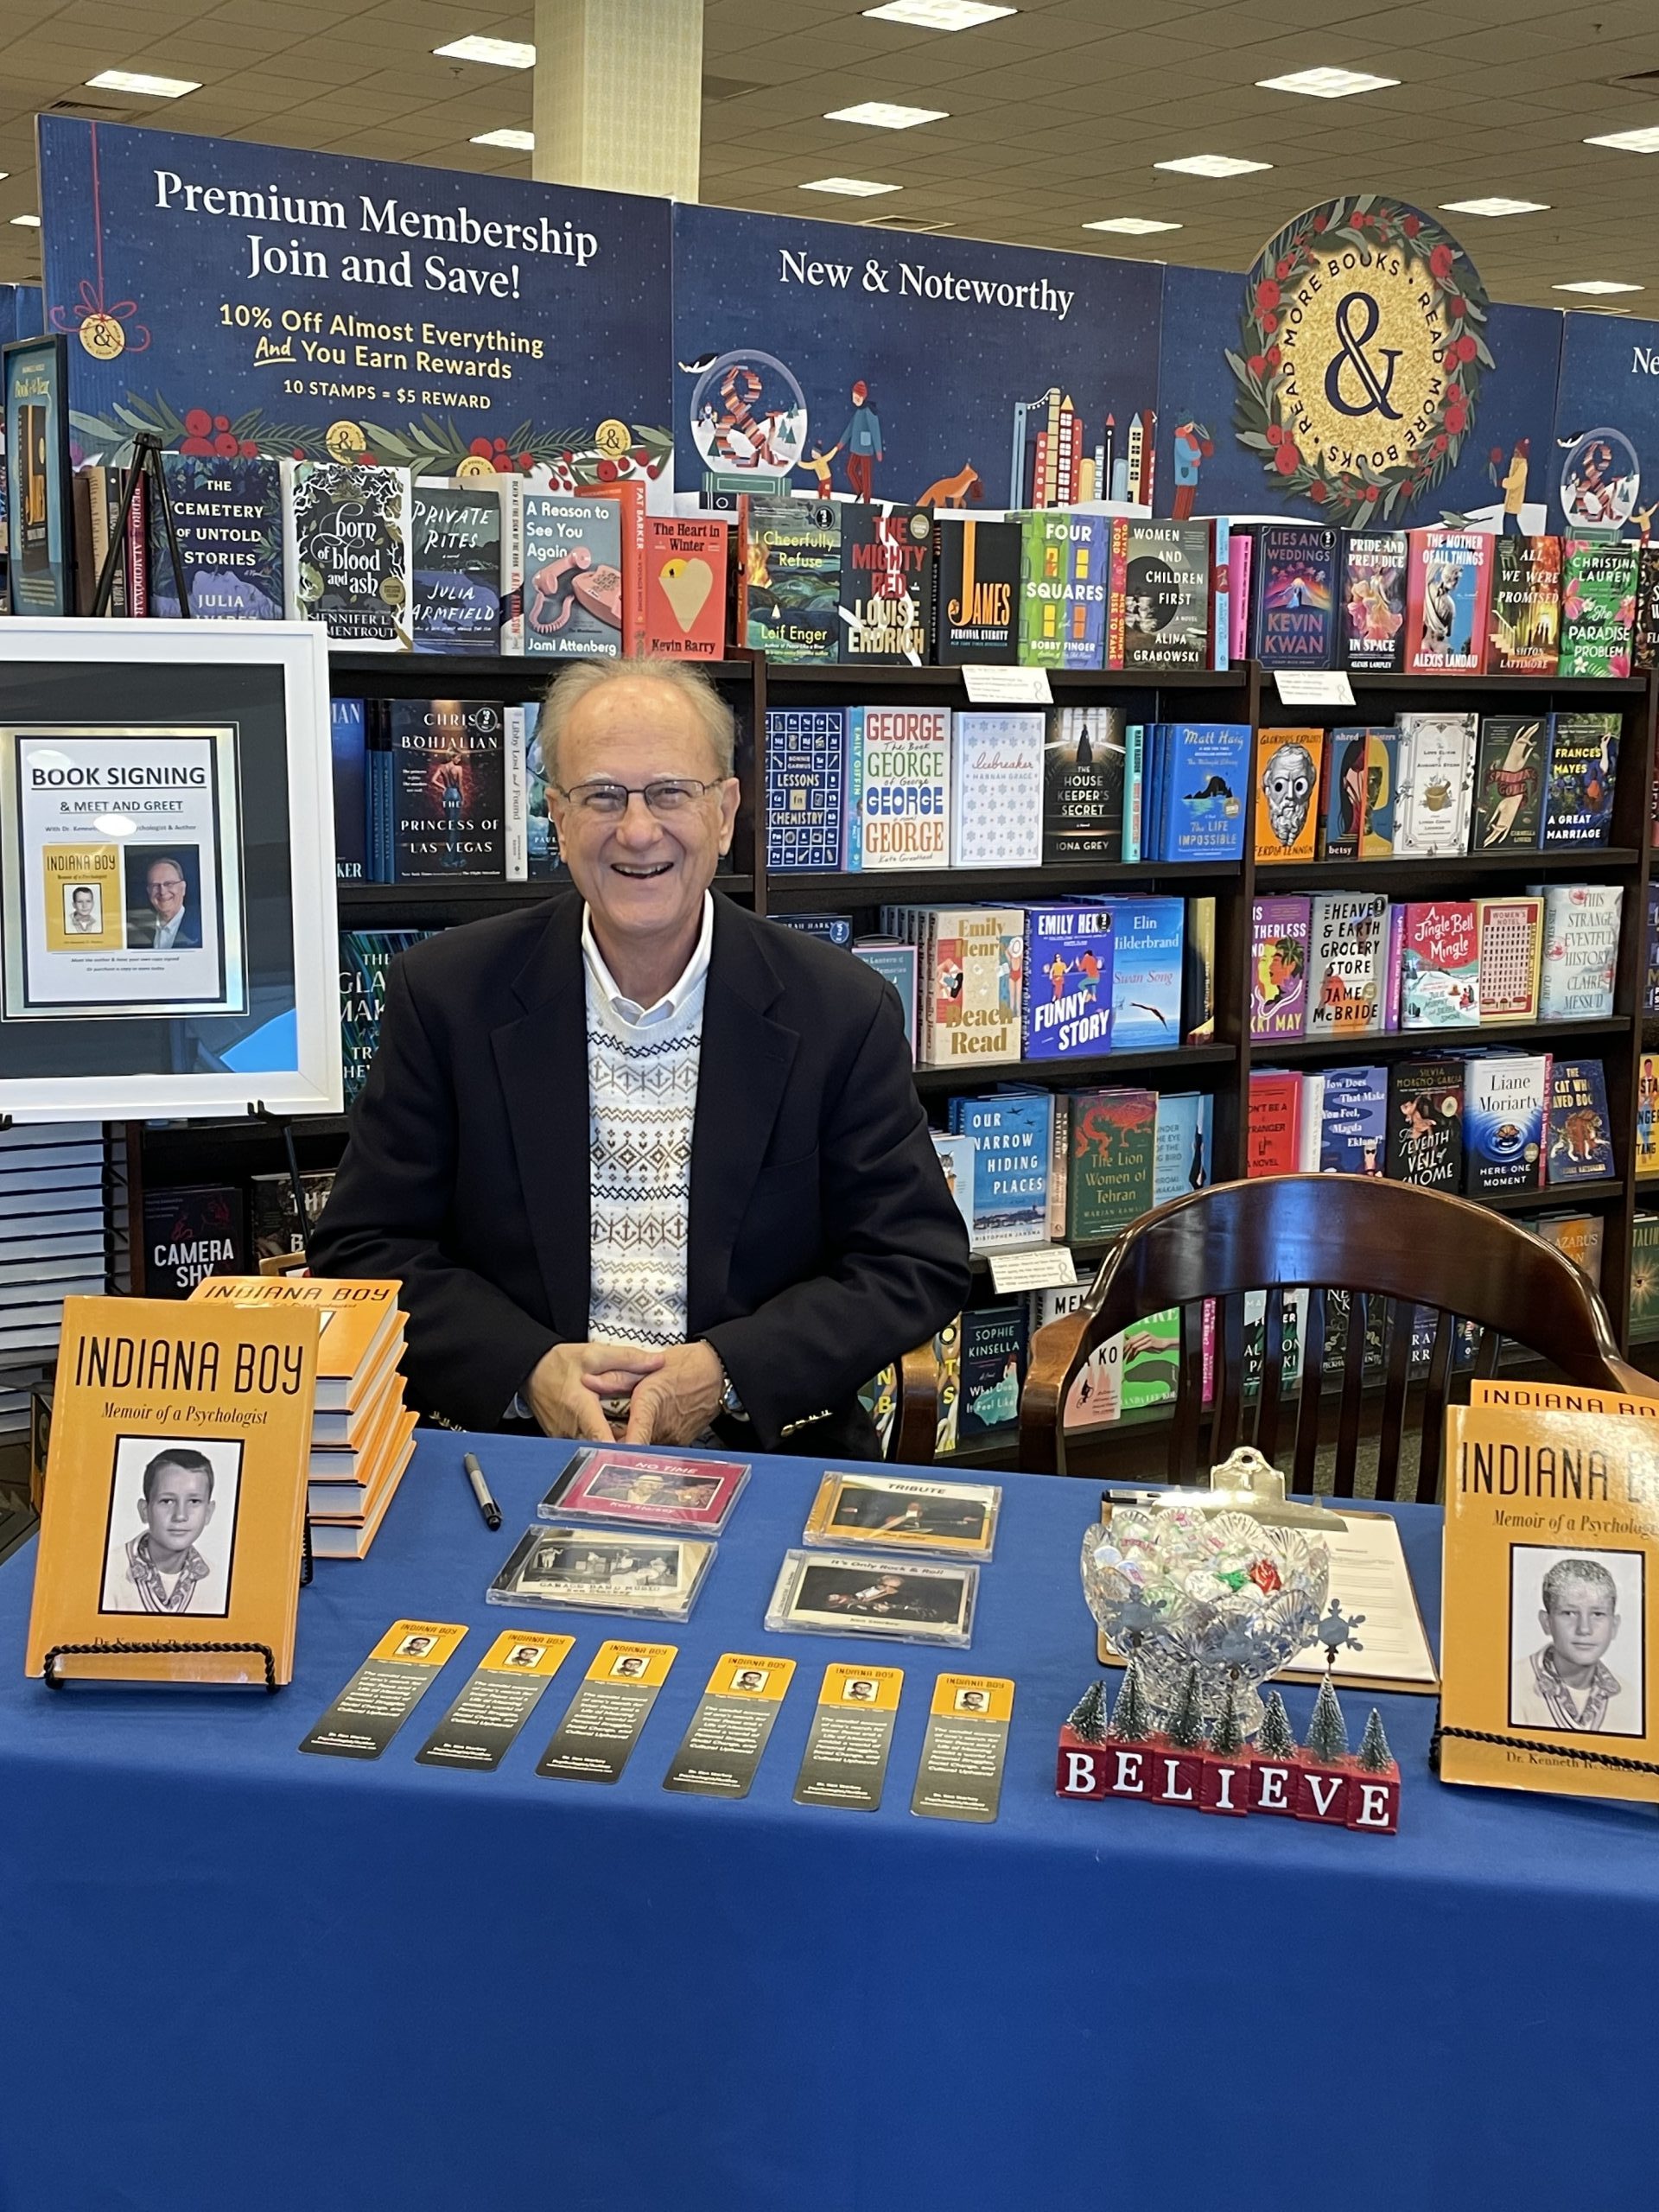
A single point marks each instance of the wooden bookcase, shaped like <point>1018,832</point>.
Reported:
<point>230,1151</point>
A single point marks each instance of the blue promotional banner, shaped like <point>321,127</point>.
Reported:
<point>901,365</point>
<point>1504,434</point>
<point>1607,427</point>
<point>238,298</point>
<point>20,311</point>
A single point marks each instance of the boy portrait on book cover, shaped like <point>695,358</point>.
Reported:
<point>171,1526</point>
<point>1589,1607</point>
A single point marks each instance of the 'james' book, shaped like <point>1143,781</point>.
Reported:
<point>976,570</point>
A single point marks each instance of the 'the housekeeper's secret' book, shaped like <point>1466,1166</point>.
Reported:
<point>1549,1667</point>
<point>175,1504</point>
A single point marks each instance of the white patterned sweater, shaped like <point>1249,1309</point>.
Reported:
<point>642,1102</point>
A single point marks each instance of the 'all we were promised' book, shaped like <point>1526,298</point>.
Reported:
<point>175,1504</point>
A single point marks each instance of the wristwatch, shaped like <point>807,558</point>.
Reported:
<point>729,1401</point>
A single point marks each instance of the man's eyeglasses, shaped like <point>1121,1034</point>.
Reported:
<point>666,796</point>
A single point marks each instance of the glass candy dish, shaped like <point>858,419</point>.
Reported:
<point>1176,1586</point>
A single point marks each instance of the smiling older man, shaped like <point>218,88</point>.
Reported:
<point>644,1163</point>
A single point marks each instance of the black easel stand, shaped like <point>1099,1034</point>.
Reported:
<point>146,463</point>
<point>54,1680</point>
<point>259,1111</point>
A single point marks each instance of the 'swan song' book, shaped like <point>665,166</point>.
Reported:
<point>175,1504</point>
<point>1549,1665</point>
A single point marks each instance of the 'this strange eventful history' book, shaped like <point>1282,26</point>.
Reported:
<point>976,580</point>
<point>457,567</point>
<point>227,515</point>
<point>886,582</point>
<point>346,533</point>
<point>175,1503</point>
<point>1448,595</point>
<point>1159,611</point>
<point>1374,601</point>
<point>1083,758</point>
<point>573,576</point>
<point>449,785</point>
<point>897,787</point>
<point>1549,1662</point>
<point>1295,585</point>
<point>1524,636</point>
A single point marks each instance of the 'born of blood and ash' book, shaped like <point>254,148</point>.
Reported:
<point>1448,598</point>
<point>346,542</point>
<point>886,582</point>
<point>1063,571</point>
<point>1426,1124</point>
<point>1579,1144</point>
<point>685,586</point>
<point>1084,759</point>
<point>897,787</point>
<point>996,787</point>
<point>366,956</point>
<point>1069,981</point>
<point>1347,958</point>
<point>1599,585</point>
<point>573,576</point>
<point>1159,613</point>
<point>806,775</point>
<point>227,515</point>
<point>1294,581</point>
<point>448,788</point>
<point>457,567</point>
<point>1012,1134</point>
<point>977,572</point>
<point>1374,601</point>
<point>1524,629</point>
<point>1509,782</point>
<point>1579,788</point>
<point>789,577</point>
<point>1279,942</point>
<point>1505,1097</point>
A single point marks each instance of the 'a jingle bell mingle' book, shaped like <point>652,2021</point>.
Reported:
<point>1552,1550</point>
<point>175,1503</point>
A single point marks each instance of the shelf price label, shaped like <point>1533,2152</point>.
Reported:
<point>1314,687</point>
<point>1042,1267</point>
<point>992,686</point>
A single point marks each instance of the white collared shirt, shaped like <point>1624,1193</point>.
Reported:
<point>643,1066</point>
<point>166,932</point>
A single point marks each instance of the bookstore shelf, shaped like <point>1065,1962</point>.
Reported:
<point>1414,1044</point>
<point>809,892</point>
<point>1457,691</point>
<point>1452,868</point>
<point>449,675</point>
<point>871,676</point>
<point>411,903</point>
<point>1552,1194</point>
<point>1096,1071</point>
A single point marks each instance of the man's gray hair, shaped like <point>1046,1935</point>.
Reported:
<point>572,685</point>
<point>1589,1570</point>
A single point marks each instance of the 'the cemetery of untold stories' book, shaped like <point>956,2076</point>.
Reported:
<point>227,515</point>
<point>789,577</point>
<point>449,788</point>
<point>1083,760</point>
<point>457,568</point>
<point>1295,593</point>
<point>977,589</point>
<point>886,582</point>
<point>573,576</point>
<point>346,559</point>
<point>1374,601</point>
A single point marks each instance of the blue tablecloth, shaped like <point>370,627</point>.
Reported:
<point>238,1979</point>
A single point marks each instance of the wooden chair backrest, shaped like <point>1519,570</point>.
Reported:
<point>1388,1250</point>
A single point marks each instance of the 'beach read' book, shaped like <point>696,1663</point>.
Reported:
<point>175,1504</point>
<point>1552,1547</point>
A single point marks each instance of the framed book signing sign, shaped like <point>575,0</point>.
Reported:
<point>164,872</point>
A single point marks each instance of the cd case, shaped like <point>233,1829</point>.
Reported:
<point>837,1593</point>
<point>604,1571</point>
<point>646,1490</point>
<point>952,1520</point>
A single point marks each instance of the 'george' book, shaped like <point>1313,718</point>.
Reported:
<point>899,787</point>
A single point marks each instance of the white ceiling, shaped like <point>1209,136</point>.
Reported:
<point>1056,114</point>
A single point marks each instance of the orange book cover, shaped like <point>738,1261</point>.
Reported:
<point>631,497</point>
<point>357,1319</point>
<point>175,1504</point>
<point>1287,793</point>
<point>1549,1665</point>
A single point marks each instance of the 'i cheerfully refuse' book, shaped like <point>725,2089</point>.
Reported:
<point>789,577</point>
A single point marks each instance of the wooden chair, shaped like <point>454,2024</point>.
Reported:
<point>913,1441</point>
<point>1390,1247</point>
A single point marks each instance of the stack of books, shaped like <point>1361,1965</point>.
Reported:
<point>362,1434</point>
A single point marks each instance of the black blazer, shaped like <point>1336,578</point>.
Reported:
<point>823,1240</point>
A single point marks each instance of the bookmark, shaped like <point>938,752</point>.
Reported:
<point>846,1758</point>
<point>721,1750</point>
<point>385,1689</point>
<point>501,1694</point>
<point>960,1777</point>
<point>598,1733</point>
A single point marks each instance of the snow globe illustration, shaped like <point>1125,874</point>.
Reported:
<point>1601,482</point>
<point>748,412</point>
<point>1176,1584</point>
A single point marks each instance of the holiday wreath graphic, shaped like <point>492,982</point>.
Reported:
<point>1361,357</point>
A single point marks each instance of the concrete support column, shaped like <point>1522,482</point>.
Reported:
<point>618,95</point>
